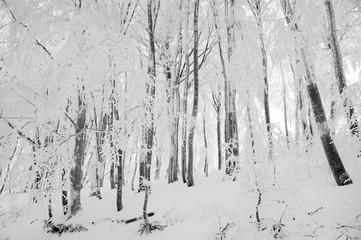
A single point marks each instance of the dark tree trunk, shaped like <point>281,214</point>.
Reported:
<point>134,173</point>
<point>231,129</point>
<point>190,181</point>
<point>149,129</point>
<point>334,160</point>
<point>158,165</point>
<point>76,173</point>
<point>120,156</point>
<point>185,99</point>
<point>205,169</point>
<point>111,176</point>
<point>64,193</point>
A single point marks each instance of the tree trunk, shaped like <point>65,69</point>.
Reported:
<point>339,72</point>
<point>112,175</point>
<point>76,172</point>
<point>230,124</point>
<point>217,107</point>
<point>231,129</point>
<point>158,165</point>
<point>205,170</point>
<point>64,193</point>
<point>150,127</point>
<point>190,181</point>
<point>120,156</point>
<point>98,173</point>
<point>185,99</point>
<point>334,160</point>
<point>135,172</point>
<point>257,11</point>
<point>297,119</point>
<point>285,108</point>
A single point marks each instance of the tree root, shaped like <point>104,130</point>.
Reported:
<point>148,228</point>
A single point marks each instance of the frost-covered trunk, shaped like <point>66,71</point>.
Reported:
<point>98,167</point>
<point>230,123</point>
<point>266,91</point>
<point>257,7</point>
<point>190,181</point>
<point>339,72</point>
<point>64,193</point>
<point>158,165</point>
<point>250,128</point>
<point>185,99</point>
<point>230,126</point>
<point>334,160</point>
<point>76,173</point>
<point>173,128</point>
<point>217,107</point>
<point>285,108</point>
<point>149,128</point>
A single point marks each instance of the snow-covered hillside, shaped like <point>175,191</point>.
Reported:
<point>213,209</point>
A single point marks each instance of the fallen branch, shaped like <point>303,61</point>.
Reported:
<point>138,218</point>
<point>108,219</point>
<point>123,221</point>
<point>61,228</point>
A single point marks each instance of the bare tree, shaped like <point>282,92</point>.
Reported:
<point>339,72</point>
<point>190,181</point>
<point>334,160</point>
<point>76,172</point>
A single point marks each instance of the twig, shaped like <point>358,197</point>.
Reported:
<point>352,227</point>
<point>311,213</point>
<point>71,120</point>
<point>32,142</point>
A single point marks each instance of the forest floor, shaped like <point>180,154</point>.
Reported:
<point>213,209</point>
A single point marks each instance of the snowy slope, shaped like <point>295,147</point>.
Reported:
<point>313,209</point>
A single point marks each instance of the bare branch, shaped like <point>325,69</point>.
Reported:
<point>46,50</point>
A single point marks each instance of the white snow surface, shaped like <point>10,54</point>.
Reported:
<point>305,209</point>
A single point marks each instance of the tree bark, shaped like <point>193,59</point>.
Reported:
<point>230,124</point>
<point>217,107</point>
<point>339,72</point>
<point>190,180</point>
<point>150,127</point>
<point>185,99</point>
<point>285,108</point>
<point>334,160</point>
<point>256,8</point>
<point>76,173</point>
<point>120,156</point>
<point>205,169</point>
<point>231,129</point>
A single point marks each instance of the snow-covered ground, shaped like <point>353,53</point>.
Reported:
<point>213,209</point>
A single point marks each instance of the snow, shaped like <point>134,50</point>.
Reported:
<point>314,208</point>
